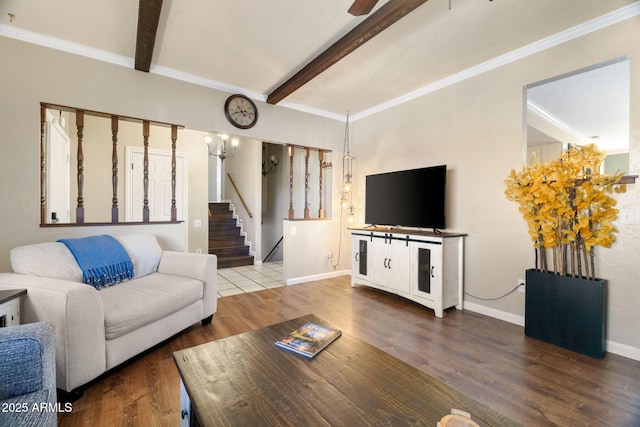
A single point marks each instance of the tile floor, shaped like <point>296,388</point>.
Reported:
<point>249,278</point>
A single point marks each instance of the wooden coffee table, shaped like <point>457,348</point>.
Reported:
<point>245,380</point>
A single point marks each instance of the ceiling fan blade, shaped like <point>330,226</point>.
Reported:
<point>362,7</point>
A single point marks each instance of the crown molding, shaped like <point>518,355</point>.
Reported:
<point>64,45</point>
<point>311,110</point>
<point>588,27</point>
<point>205,82</point>
<point>555,121</point>
<point>572,33</point>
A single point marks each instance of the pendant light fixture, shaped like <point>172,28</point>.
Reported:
<point>346,193</point>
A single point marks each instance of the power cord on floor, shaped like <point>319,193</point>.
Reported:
<point>494,299</point>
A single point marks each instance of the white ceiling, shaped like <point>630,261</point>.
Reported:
<point>253,46</point>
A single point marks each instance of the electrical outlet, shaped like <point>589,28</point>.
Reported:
<point>626,216</point>
<point>198,251</point>
<point>522,285</point>
<point>328,256</point>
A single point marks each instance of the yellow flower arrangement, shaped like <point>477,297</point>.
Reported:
<point>568,208</point>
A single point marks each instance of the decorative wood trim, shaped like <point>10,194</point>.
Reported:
<point>94,224</point>
<point>383,18</point>
<point>145,179</point>
<point>320,182</point>
<point>306,184</point>
<point>148,19</point>
<point>43,164</point>
<point>114,169</point>
<point>80,175</point>
<point>308,181</point>
<point>174,140</point>
<point>107,115</point>
<point>291,153</point>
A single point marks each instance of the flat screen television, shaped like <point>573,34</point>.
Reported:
<point>410,198</point>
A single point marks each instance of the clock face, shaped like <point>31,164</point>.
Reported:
<point>241,111</point>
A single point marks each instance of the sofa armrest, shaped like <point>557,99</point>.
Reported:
<point>202,267</point>
<point>75,310</point>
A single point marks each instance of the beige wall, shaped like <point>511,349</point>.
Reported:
<point>476,128</point>
<point>245,170</point>
<point>34,74</point>
<point>300,239</point>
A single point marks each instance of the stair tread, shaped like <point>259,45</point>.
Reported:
<point>230,245</point>
<point>236,258</point>
<point>212,247</point>
<point>227,246</point>
<point>235,261</point>
<point>232,251</point>
<point>220,239</point>
<point>225,239</point>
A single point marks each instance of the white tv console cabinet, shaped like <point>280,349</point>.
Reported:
<point>422,266</point>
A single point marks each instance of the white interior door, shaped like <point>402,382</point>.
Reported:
<point>159,194</point>
<point>58,183</point>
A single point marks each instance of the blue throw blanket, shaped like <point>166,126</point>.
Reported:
<point>102,259</point>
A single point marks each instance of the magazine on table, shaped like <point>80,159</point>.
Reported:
<point>309,340</point>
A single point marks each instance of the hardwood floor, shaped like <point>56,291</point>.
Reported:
<point>489,360</point>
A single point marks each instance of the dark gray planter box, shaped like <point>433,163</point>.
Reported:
<point>566,311</point>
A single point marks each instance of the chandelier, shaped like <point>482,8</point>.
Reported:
<point>220,146</point>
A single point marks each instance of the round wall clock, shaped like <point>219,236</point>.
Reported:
<point>241,111</point>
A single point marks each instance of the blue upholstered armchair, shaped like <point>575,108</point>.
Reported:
<point>28,376</point>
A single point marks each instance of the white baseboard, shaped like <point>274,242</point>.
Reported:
<point>623,350</point>
<point>612,346</point>
<point>298,280</point>
<point>492,312</point>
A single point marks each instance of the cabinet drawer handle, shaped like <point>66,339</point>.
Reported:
<point>432,267</point>
<point>357,256</point>
<point>389,264</point>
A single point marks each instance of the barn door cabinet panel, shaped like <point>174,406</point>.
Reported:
<point>422,266</point>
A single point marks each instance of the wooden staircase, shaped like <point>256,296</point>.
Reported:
<point>225,240</point>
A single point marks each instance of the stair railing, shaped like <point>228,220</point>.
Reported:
<point>50,219</point>
<point>233,184</point>
<point>273,249</point>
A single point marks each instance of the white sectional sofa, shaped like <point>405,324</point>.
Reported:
<point>98,329</point>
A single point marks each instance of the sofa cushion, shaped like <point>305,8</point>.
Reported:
<point>50,259</point>
<point>144,251</point>
<point>144,300</point>
<point>55,260</point>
